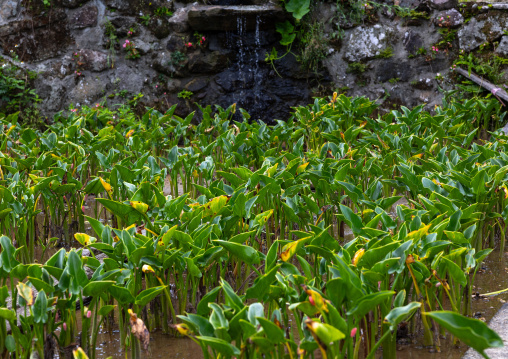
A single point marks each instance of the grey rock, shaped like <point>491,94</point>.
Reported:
<point>336,67</point>
<point>87,91</point>
<point>225,18</point>
<point>179,21</point>
<point>159,27</point>
<point>71,3</point>
<point>443,4</point>
<point>366,42</point>
<point>209,62</point>
<point>53,96</point>
<point>231,80</point>
<point>132,80</point>
<point>485,27</point>
<point>118,4</point>
<point>411,3</point>
<point>37,39</point>
<point>8,10</point>
<point>393,69</point>
<point>94,60</point>
<point>142,47</point>
<point>502,48</point>
<point>163,63</point>
<point>448,18</point>
<point>197,84</point>
<point>89,38</point>
<point>423,83</point>
<point>84,17</point>
<point>412,42</point>
<point>122,22</point>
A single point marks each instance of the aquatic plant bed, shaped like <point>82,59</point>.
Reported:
<point>234,233</point>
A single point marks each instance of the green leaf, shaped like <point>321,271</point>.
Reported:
<point>106,309</point>
<point>40,308</point>
<point>472,332</point>
<point>455,271</point>
<point>202,324</point>
<point>94,289</point>
<point>41,285</point>
<point>147,295</point>
<point>7,314</point>
<point>7,259</point>
<point>232,299</point>
<point>272,331</point>
<point>353,221</point>
<point>325,332</point>
<point>220,345</point>
<point>299,8</point>
<point>245,253</point>
<point>369,302</point>
<point>217,318</point>
<point>286,29</point>
<point>10,343</point>
<point>399,314</point>
<point>121,294</point>
<point>262,284</point>
<point>209,297</point>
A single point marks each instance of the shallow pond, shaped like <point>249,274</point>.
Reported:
<point>492,277</point>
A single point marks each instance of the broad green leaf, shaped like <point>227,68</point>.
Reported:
<point>369,302</point>
<point>148,295</point>
<point>399,314</point>
<point>472,332</point>
<point>245,253</point>
<point>95,288</point>
<point>220,345</point>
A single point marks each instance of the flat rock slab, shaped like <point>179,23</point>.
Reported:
<point>231,18</point>
<point>500,324</point>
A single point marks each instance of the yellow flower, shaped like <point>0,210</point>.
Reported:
<point>359,254</point>
<point>146,268</point>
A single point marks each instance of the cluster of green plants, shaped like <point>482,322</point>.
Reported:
<point>163,12</point>
<point>310,36</point>
<point>486,65</point>
<point>357,68</point>
<point>110,32</point>
<point>177,58</point>
<point>185,94</point>
<point>17,93</point>
<point>247,225</point>
<point>386,53</point>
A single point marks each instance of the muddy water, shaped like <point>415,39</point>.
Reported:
<point>161,346</point>
<point>493,277</point>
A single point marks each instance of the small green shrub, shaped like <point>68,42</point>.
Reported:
<point>177,58</point>
<point>314,46</point>
<point>17,94</point>
<point>385,53</point>
<point>163,11</point>
<point>356,68</point>
<point>185,94</point>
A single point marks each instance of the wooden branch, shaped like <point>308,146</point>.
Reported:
<point>496,91</point>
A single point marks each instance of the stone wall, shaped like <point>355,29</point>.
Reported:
<point>410,77</point>
<point>79,50</point>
